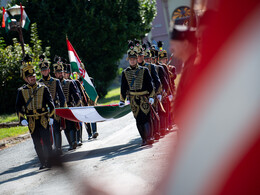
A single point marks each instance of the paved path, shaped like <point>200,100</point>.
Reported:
<point>114,163</point>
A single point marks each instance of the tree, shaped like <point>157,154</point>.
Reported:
<point>10,63</point>
<point>98,30</point>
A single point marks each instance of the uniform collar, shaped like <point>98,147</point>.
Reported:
<point>135,67</point>
<point>32,86</point>
<point>142,63</point>
<point>46,78</point>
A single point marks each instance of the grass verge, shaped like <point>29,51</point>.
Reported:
<point>12,131</point>
<point>113,96</point>
<point>7,118</point>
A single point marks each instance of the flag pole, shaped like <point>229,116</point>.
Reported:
<point>20,30</point>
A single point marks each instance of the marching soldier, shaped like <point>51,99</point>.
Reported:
<point>57,95</point>
<point>163,75</point>
<point>141,50</point>
<point>82,94</point>
<point>168,101</point>
<point>72,100</point>
<point>137,82</point>
<point>140,59</point>
<point>35,108</point>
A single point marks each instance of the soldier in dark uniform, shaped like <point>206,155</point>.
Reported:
<point>137,82</point>
<point>163,75</point>
<point>35,108</point>
<point>141,50</point>
<point>168,101</point>
<point>72,100</point>
<point>82,94</point>
<point>57,96</point>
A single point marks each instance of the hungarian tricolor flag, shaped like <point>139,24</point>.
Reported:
<point>91,114</point>
<point>76,67</point>
<point>6,20</point>
<point>24,19</point>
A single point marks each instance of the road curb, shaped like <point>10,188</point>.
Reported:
<point>13,140</point>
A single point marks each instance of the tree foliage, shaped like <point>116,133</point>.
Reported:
<point>10,63</point>
<point>98,30</point>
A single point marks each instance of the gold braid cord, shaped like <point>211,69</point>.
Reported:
<point>31,121</point>
<point>44,121</point>
<point>134,106</point>
<point>144,105</point>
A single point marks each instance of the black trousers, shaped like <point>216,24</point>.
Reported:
<point>143,119</point>
<point>70,132</point>
<point>57,134</point>
<point>43,149</point>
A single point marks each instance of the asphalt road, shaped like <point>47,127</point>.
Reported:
<point>114,163</point>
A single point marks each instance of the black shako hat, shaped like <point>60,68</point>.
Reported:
<point>66,66</point>
<point>27,68</point>
<point>147,53</point>
<point>138,47</point>
<point>58,66</point>
<point>44,64</point>
<point>162,53</point>
<point>131,53</point>
<point>182,32</point>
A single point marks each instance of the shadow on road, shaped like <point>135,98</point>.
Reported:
<point>106,153</point>
<point>30,164</point>
<point>22,176</point>
<point>27,165</point>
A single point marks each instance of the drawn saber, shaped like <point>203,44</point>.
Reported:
<point>170,59</point>
<point>155,114</point>
<point>161,106</point>
<point>152,109</point>
<point>52,132</point>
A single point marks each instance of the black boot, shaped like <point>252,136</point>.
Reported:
<point>156,132</point>
<point>148,133</point>
<point>142,134</point>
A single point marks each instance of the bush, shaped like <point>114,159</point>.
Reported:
<point>10,62</point>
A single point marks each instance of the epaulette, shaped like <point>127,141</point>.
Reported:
<point>56,79</point>
<point>41,84</point>
<point>22,87</point>
<point>128,68</point>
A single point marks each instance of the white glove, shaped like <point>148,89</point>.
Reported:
<point>24,122</point>
<point>170,97</point>
<point>151,101</point>
<point>51,121</point>
<point>121,104</point>
<point>159,97</point>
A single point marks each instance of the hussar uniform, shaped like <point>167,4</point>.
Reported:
<point>155,120</point>
<point>72,100</point>
<point>168,98</point>
<point>164,77</point>
<point>83,98</point>
<point>58,97</point>
<point>35,108</point>
<point>137,82</point>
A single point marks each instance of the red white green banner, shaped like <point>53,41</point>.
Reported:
<point>5,20</point>
<point>91,114</point>
<point>76,66</point>
<point>24,19</point>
